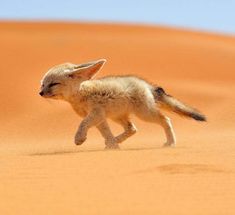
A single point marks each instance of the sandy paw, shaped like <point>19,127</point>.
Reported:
<point>80,141</point>
<point>169,144</point>
<point>112,147</point>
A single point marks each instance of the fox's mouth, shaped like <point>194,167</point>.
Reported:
<point>47,95</point>
<point>50,95</point>
<point>53,96</point>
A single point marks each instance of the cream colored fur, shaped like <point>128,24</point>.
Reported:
<point>96,100</point>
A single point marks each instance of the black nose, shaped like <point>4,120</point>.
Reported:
<point>41,93</point>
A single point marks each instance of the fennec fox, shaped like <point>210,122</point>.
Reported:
<point>114,97</point>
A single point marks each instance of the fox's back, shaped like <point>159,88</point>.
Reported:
<point>116,85</point>
<point>117,93</point>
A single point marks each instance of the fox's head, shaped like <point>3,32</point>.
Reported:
<point>61,80</point>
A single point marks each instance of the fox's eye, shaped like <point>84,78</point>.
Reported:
<point>53,84</point>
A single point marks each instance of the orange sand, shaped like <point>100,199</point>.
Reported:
<point>43,172</point>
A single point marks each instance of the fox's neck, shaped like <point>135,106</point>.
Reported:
<point>77,102</point>
<point>73,97</point>
<point>79,106</point>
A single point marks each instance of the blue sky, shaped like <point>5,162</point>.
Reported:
<point>208,15</point>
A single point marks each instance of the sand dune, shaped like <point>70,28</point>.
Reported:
<point>43,172</point>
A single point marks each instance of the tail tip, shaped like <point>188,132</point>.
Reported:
<point>199,117</point>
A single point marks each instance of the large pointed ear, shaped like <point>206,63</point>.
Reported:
<point>87,70</point>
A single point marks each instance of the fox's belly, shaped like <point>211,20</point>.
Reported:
<point>116,109</point>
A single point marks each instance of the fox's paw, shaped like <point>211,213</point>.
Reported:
<point>112,146</point>
<point>171,144</point>
<point>79,140</point>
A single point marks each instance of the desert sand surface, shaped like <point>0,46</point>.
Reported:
<point>43,172</point>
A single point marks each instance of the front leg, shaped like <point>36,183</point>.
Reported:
<point>92,119</point>
<point>105,131</point>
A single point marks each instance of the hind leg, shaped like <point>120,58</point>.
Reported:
<point>129,129</point>
<point>156,117</point>
<point>165,122</point>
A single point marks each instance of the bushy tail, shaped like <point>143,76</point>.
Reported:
<point>168,102</point>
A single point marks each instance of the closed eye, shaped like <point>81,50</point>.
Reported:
<point>53,84</point>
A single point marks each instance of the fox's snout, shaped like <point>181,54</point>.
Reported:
<point>43,93</point>
<point>46,93</point>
